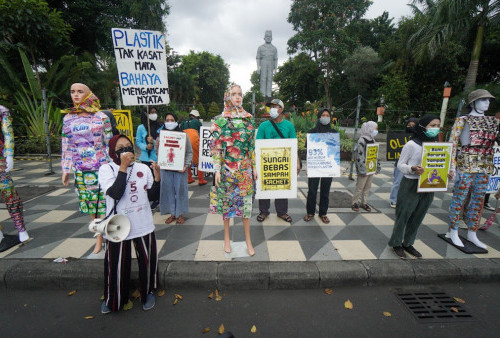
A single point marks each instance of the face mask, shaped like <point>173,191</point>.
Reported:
<point>119,153</point>
<point>324,120</point>
<point>409,129</point>
<point>274,113</point>
<point>374,133</point>
<point>153,117</point>
<point>171,125</point>
<point>431,132</point>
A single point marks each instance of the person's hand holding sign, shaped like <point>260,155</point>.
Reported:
<point>419,170</point>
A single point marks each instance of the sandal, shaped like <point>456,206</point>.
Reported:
<point>355,207</point>
<point>308,217</point>
<point>325,219</point>
<point>170,219</point>
<point>366,207</point>
<point>180,220</point>
<point>286,218</point>
<point>261,217</point>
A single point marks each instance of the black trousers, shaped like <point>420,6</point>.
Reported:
<point>281,205</point>
<point>324,194</point>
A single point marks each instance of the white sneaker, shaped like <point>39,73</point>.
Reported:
<point>393,205</point>
<point>487,206</point>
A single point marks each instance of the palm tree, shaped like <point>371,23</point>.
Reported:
<point>446,19</point>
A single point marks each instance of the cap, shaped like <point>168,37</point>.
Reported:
<point>479,94</point>
<point>276,101</point>
<point>194,112</point>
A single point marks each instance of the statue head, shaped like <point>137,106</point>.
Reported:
<point>79,92</point>
<point>268,36</point>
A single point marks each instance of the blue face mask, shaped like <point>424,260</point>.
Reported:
<point>431,132</point>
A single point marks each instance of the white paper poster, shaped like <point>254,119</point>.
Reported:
<point>323,155</point>
<point>172,150</point>
<point>205,163</point>
<point>494,181</point>
<point>142,66</point>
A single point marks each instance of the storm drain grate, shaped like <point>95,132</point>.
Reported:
<point>434,306</point>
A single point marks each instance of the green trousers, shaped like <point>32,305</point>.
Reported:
<point>411,208</point>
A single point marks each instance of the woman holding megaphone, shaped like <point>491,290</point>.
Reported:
<point>129,186</point>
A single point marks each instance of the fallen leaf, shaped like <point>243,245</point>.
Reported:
<point>89,317</point>
<point>71,293</point>
<point>211,295</point>
<point>454,309</point>
<point>176,301</point>
<point>161,293</point>
<point>217,296</point>
<point>328,291</point>
<point>136,294</point>
<point>128,306</point>
<point>178,296</point>
<point>460,300</point>
<point>205,330</point>
<point>221,329</point>
<point>253,329</point>
<point>387,314</point>
<point>348,305</point>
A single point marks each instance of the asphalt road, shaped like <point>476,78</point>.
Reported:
<point>275,313</point>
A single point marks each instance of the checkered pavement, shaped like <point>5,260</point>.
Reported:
<point>59,230</point>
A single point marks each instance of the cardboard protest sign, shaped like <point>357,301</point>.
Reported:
<point>276,162</point>
<point>371,158</point>
<point>172,150</point>
<point>142,66</point>
<point>323,155</point>
<point>494,181</point>
<point>205,163</point>
<point>436,159</point>
<point>124,123</point>
<point>395,143</point>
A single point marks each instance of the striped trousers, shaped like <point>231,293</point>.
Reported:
<point>117,266</point>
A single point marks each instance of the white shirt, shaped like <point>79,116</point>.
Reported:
<point>410,155</point>
<point>134,203</point>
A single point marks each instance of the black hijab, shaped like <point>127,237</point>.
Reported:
<point>320,128</point>
<point>153,125</point>
<point>176,120</point>
<point>414,120</point>
<point>419,130</point>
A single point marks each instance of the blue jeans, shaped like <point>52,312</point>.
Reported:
<point>398,175</point>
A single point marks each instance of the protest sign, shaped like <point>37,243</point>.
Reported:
<point>395,143</point>
<point>172,150</point>
<point>323,155</point>
<point>124,123</point>
<point>205,163</point>
<point>436,163</point>
<point>371,158</point>
<point>276,162</point>
<point>142,66</point>
<point>494,180</point>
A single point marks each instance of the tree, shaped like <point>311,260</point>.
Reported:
<point>361,67</point>
<point>373,33</point>
<point>299,80</point>
<point>454,19</point>
<point>213,110</point>
<point>321,27</point>
<point>210,75</point>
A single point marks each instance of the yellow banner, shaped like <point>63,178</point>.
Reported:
<point>124,123</point>
<point>371,158</point>
<point>276,168</point>
<point>436,163</point>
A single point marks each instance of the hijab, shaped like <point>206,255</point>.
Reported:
<point>153,125</point>
<point>112,146</point>
<point>419,130</point>
<point>90,104</point>
<point>415,121</point>
<point>366,130</point>
<point>176,119</point>
<point>230,110</point>
<point>320,128</point>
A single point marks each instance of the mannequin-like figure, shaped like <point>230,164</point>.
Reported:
<point>85,137</point>
<point>12,200</point>
<point>267,63</point>
<point>473,135</point>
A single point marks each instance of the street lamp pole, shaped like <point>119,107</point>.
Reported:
<point>444,107</point>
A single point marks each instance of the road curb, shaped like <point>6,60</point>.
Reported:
<point>88,274</point>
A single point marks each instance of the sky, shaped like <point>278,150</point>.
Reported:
<point>234,29</point>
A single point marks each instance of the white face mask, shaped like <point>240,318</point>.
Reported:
<point>171,125</point>
<point>153,117</point>
<point>374,133</point>
<point>482,105</point>
<point>274,113</point>
<point>324,120</point>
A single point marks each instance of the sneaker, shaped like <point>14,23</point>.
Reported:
<point>355,207</point>
<point>487,206</point>
<point>150,302</point>
<point>154,205</point>
<point>104,308</point>
<point>393,205</point>
<point>412,251</point>
<point>399,251</point>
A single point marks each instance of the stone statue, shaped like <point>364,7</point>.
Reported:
<point>267,63</point>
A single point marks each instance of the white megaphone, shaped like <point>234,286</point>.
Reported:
<point>116,228</point>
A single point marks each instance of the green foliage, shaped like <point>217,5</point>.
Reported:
<point>213,110</point>
<point>361,67</point>
<point>37,145</point>
<point>396,91</point>
<point>202,111</point>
